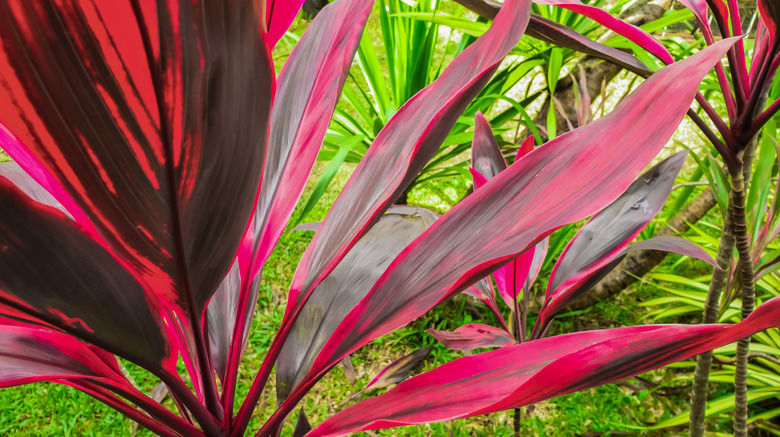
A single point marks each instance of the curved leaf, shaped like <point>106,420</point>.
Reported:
<point>347,285</point>
<point>403,147</point>
<point>52,271</point>
<point>29,354</point>
<point>565,180</point>
<point>530,372</point>
<point>633,33</point>
<point>137,112</point>
<point>600,240</point>
<point>310,85</point>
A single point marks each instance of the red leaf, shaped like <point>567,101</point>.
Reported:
<point>603,238</point>
<point>530,372</point>
<point>403,147</point>
<point>565,180</point>
<point>633,33</point>
<point>30,354</point>
<point>137,112</point>
<point>473,336</point>
<point>770,14</point>
<point>50,270</point>
<point>310,85</point>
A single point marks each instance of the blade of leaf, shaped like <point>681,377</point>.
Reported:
<point>74,283</point>
<point>279,15</point>
<point>473,336</point>
<point>30,354</point>
<point>611,230</point>
<point>398,370</point>
<point>156,158</point>
<point>309,88</point>
<point>530,372</point>
<point>486,157</point>
<point>561,182</point>
<point>349,282</point>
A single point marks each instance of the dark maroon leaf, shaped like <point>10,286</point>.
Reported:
<point>139,114</point>
<point>51,270</point>
<point>302,427</point>
<point>486,157</point>
<point>347,285</point>
<point>473,336</point>
<point>611,230</point>
<point>530,372</point>
<point>222,312</point>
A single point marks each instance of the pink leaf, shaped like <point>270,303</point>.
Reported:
<point>565,180</point>
<point>530,372</point>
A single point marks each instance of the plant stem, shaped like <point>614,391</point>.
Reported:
<point>748,302</point>
<point>711,309</point>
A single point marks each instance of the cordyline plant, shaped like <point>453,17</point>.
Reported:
<point>133,225</point>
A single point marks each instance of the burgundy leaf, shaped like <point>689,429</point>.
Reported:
<point>559,35</point>
<point>596,272</point>
<point>30,354</point>
<point>569,178</point>
<point>609,232</point>
<point>530,372</point>
<point>404,146</point>
<point>631,32</point>
<point>52,271</point>
<point>310,85</point>
<point>280,14</point>
<point>138,112</point>
<point>473,336</point>
<point>770,14</point>
<point>347,285</point>
<point>302,427</point>
<point>486,157</point>
<point>398,370</point>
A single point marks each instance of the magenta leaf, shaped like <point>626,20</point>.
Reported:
<point>73,283</point>
<point>563,181</point>
<point>633,33</point>
<point>30,354</point>
<point>601,239</point>
<point>280,14</point>
<point>530,372</point>
<point>310,85</point>
<point>473,336</point>
<point>138,112</point>
<point>404,146</point>
<point>347,285</point>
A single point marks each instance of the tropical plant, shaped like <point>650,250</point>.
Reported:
<point>145,130</point>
